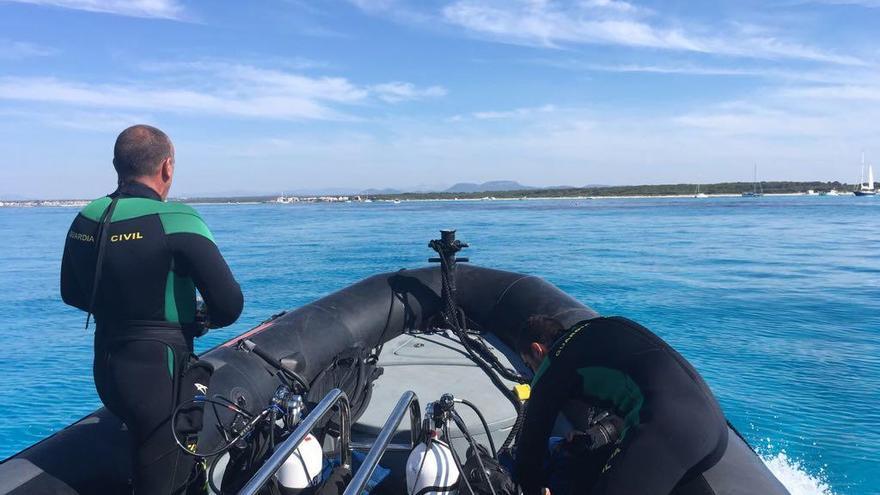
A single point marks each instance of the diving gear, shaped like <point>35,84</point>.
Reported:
<point>603,431</point>
<point>431,470</point>
<point>303,468</point>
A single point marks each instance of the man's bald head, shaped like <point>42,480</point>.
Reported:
<point>140,151</point>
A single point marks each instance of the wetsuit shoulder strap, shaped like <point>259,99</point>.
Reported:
<point>100,248</point>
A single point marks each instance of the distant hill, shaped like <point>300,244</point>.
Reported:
<point>494,185</point>
<point>387,190</point>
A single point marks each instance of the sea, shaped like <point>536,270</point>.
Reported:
<point>775,300</point>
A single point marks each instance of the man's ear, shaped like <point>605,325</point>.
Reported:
<point>167,169</point>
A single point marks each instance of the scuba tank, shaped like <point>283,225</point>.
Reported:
<point>431,470</point>
<point>303,468</point>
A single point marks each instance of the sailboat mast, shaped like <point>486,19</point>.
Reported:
<point>755,181</point>
<point>862,171</point>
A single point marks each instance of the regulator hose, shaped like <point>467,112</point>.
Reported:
<point>485,424</point>
<point>476,451</point>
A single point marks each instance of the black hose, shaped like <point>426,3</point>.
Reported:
<point>462,474</point>
<point>428,446</point>
<point>509,394</point>
<point>438,489</point>
<point>467,434</point>
<point>485,425</point>
<point>253,421</point>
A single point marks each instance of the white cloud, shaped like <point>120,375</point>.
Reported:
<point>160,9</point>
<point>580,146</point>
<point>216,88</point>
<point>555,24</point>
<point>848,76</point>
<point>758,122</point>
<point>863,93</point>
<point>263,105</point>
<point>694,70</point>
<point>374,5</point>
<point>394,9</point>
<point>860,3</point>
<point>792,138</point>
<point>395,92</point>
<point>516,113</point>
<point>616,5</point>
<point>17,50</point>
<point>79,120</point>
<point>806,115</point>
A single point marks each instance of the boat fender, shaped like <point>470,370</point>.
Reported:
<point>431,472</point>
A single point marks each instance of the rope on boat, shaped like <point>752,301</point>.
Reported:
<point>477,351</point>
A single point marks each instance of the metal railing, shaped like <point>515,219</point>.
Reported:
<point>408,402</point>
<point>286,448</point>
<point>392,447</point>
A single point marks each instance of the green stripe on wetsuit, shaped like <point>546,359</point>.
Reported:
<point>169,358</point>
<point>176,218</point>
<point>183,222</point>
<point>180,302</point>
<point>615,387</point>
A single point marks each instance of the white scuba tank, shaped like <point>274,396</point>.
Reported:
<point>303,467</point>
<point>435,467</point>
<point>217,472</point>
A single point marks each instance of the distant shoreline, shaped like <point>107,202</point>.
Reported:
<point>82,203</point>
<point>717,190</point>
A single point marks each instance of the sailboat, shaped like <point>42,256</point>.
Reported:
<point>757,190</point>
<point>699,194</point>
<point>866,188</point>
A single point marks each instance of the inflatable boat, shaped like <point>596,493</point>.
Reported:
<point>368,356</point>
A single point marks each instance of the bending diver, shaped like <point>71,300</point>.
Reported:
<point>135,262</point>
<point>671,427</point>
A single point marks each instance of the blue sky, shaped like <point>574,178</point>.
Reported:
<point>288,94</point>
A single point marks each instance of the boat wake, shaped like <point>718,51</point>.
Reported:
<point>795,476</point>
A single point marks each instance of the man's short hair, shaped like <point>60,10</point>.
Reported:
<point>542,329</point>
<point>140,150</point>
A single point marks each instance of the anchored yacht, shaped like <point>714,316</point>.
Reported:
<point>866,182</point>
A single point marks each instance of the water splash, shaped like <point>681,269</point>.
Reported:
<point>795,476</point>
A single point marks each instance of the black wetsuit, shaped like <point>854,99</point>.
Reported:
<point>673,428</point>
<point>156,255</point>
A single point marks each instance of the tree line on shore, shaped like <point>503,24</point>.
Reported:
<point>772,187</point>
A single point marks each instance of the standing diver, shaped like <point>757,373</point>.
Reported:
<point>135,262</point>
<point>671,428</point>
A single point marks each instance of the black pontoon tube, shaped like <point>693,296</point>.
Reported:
<point>91,456</point>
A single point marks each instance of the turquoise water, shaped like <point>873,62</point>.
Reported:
<point>775,300</point>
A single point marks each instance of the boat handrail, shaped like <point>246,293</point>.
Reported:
<point>286,448</point>
<point>409,401</point>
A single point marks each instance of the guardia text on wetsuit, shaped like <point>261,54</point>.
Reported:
<point>673,426</point>
<point>156,255</point>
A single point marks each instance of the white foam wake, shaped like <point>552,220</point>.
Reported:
<point>795,477</point>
